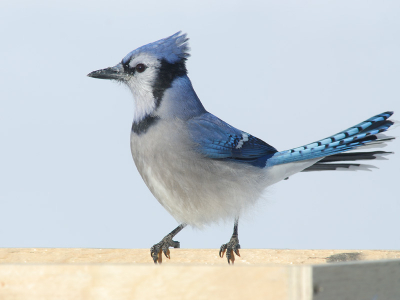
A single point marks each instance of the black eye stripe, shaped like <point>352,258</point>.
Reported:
<point>138,68</point>
<point>128,69</point>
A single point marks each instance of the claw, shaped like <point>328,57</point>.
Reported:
<point>222,250</point>
<point>231,249</point>
<point>231,257</point>
<point>166,252</point>
<point>228,256</point>
<point>237,252</point>
<point>154,254</point>
<point>236,249</point>
<point>159,255</point>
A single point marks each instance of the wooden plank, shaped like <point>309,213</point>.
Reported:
<point>194,256</point>
<point>135,281</point>
<point>118,274</point>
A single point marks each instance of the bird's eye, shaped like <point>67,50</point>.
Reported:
<point>140,68</point>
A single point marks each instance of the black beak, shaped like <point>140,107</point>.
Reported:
<point>116,73</point>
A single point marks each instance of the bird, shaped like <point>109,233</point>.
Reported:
<point>203,170</point>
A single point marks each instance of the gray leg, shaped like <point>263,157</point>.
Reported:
<point>232,246</point>
<point>163,246</point>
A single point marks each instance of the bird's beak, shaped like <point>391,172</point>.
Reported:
<point>116,73</point>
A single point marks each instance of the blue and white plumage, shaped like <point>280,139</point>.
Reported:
<point>201,169</point>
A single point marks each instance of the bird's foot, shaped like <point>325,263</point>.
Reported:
<point>163,246</point>
<point>231,249</point>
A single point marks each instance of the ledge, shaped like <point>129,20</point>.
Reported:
<point>192,256</point>
<point>39,273</point>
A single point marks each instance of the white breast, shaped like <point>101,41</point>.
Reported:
<point>193,189</point>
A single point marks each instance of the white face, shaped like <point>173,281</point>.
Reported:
<point>141,83</point>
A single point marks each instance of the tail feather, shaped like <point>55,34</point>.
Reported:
<point>359,135</point>
<point>330,163</point>
<point>333,167</point>
<point>353,156</point>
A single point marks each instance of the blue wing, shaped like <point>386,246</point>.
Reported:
<point>218,140</point>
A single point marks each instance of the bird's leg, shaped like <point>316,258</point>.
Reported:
<point>232,246</point>
<point>163,246</point>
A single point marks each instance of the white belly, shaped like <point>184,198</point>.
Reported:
<point>194,190</point>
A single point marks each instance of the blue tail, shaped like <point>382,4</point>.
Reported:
<point>349,139</point>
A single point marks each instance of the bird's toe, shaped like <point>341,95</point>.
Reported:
<point>230,249</point>
<point>163,247</point>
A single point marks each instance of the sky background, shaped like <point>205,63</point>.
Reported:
<point>288,72</point>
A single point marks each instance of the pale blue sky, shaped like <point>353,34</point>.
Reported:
<point>289,72</point>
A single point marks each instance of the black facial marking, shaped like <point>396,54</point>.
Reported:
<point>145,124</point>
<point>166,75</point>
<point>128,69</point>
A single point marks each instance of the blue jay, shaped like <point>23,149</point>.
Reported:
<point>201,169</point>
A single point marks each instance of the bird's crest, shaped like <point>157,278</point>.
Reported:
<point>173,48</point>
